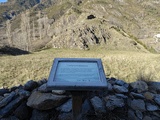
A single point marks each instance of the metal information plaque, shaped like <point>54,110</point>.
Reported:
<point>77,74</point>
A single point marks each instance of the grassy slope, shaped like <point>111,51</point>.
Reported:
<point>120,64</point>
<point>124,65</point>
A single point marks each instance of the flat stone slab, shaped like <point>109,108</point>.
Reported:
<point>7,99</point>
<point>45,101</point>
<point>9,107</point>
<point>3,91</point>
<point>43,88</point>
<point>120,89</point>
<point>141,86</point>
<point>121,83</point>
<point>98,105</point>
<point>151,107</point>
<point>137,95</point>
<point>155,86</point>
<point>30,85</point>
<point>138,105</point>
<point>113,102</point>
<point>39,115</point>
<point>157,99</point>
<point>66,107</point>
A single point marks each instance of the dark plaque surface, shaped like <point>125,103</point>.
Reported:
<point>77,74</point>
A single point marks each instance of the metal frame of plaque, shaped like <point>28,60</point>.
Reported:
<point>77,74</point>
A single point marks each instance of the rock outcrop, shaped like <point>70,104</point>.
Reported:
<point>122,101</point>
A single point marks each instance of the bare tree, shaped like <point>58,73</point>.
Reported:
<point>28,29</point>
<point>40,25</point>
<point>8,33</point>
<point>33,29</point>
<point>45,24</point>
<point>25,30</point>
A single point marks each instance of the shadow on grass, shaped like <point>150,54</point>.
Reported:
<point>6,50</point>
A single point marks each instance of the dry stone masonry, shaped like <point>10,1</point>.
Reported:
<point>139,100</point>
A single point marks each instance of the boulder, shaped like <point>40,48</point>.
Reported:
<point>154,117</point>
<point>30,85</point>
<point>45,101</point>
<point>54,115</point>
<point>22,112</point>
<point>10,118</point>
<point>131,115</point>
<point>3,91</point>
<point>136,95</point>
<point>86,107</point>
<point>109,86</point>
<point>1,98</point>
<point>59,92</point>
<point>149,95</point>
<point>141,86</point>
<point>65,116</point>
<point>157,99</point>
<point>126,85</point>
<point>138,104</point>
<point>112,80</point>
<point>113,102</point>
<point>120,89</point>
<point>139,114</point>
<point>11,106</point>
<point>15,88</point>
<point>147,118</point>
<point>6,94</point>
<point>121,83</point>
<point>154,86</point>
<point>43,88</point>
<point>98,105</point>
<point>121,96</point>
<point>41,82</point>
<point>156,113</point>
<point>40,115</point>
<point>66,107</point>
<point>7,99</point>
<point>24,93</point>
<point>151,107</point>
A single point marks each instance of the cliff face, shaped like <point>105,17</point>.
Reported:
<point>120,25</point>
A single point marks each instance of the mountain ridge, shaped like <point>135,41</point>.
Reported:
<point>115,24</point>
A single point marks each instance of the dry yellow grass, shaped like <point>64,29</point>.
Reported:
<point>126,65</point>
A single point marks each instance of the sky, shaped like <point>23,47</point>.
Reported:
<point>3,0</point>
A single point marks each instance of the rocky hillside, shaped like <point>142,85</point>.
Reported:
<point>139,100</point>
<point>113,24</point>
<point>13,7</point>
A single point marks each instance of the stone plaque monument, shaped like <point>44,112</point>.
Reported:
<point>77,75</point>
